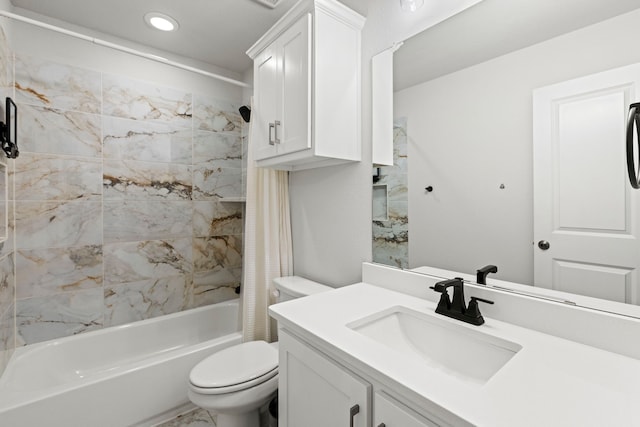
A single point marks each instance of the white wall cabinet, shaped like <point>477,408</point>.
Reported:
<point>307,106</point>
<point>317,391</point>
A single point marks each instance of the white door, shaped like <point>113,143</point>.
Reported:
<point>586,215</point>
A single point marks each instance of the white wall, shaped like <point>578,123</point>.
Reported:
<point>331,207</point>
<point>471,131</point>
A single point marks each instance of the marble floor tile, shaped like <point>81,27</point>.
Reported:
<point>196,418</point>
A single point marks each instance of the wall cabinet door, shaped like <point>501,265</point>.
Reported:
<point>389,413</point>
<point>294,115</point>
<point>316,392</point>
<point>266,103</point>
<point>283,93</point>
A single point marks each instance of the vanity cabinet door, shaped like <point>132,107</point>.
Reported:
<point>316,392</point>
<point>389,413</point>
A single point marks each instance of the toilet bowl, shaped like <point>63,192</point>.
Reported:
<point>236,382</point>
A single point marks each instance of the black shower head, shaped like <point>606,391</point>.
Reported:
<point>245,112</point>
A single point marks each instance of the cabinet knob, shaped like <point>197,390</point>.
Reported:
<point>355,410</point>
<point>382,425</point>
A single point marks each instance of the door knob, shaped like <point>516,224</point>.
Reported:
<point>544,245</point>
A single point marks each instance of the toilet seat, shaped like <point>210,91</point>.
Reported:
<point>235,368</point>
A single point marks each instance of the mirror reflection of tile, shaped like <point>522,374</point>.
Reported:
<point>4,203</point>
<point>390,205</point>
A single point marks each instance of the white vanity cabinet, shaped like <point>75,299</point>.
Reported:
<point>313,391</point>
<point>317,391</point>
<point>307,88</point>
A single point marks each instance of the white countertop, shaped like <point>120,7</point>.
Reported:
<point>549,382</point>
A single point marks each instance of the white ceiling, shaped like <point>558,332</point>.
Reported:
<point>216,32</point>
<point>492,28</point>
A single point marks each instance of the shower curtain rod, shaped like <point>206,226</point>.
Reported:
<point>120,48</point>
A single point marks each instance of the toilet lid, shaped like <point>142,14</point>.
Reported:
<point>242,363</point>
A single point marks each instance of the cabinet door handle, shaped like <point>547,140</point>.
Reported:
<point>382,425</point>
<point>355,410</point>
<point>271,127</point>
<point>276,124</point>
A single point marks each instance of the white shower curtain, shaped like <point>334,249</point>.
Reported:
<point>267,244</point>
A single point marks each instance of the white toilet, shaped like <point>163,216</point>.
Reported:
<point>237,381</point>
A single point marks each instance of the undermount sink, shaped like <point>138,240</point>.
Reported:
<point>456,349</point>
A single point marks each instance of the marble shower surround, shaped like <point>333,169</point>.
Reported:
<point>7,269</point>
<point>117,199</point>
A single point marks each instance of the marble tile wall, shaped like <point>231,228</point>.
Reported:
<point>118,200</point>
<point>7,269</point>
<point>391,234</point>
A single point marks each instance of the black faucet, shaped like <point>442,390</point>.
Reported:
<point>481,274</point>
<point>457,308</point>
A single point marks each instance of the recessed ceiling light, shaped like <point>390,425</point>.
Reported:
<point>160,21</point>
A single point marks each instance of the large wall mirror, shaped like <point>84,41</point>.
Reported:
<point>472,98</point>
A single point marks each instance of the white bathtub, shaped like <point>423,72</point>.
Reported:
<point>129,375</point>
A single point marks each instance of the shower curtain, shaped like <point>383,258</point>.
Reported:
<point>267,245</point>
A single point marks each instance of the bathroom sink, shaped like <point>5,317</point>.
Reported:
<point>461,351</point>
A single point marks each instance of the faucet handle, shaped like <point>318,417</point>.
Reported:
<point>482,300</point>
<point>473,311</point>
<point>445,303</point>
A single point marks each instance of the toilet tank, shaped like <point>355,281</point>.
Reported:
<point>292,287</point>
